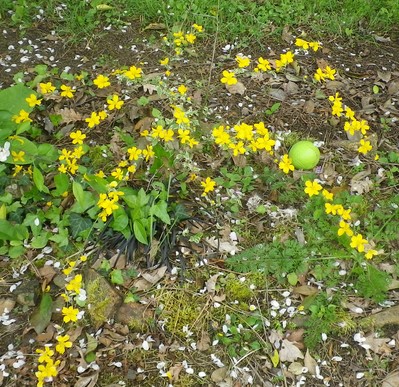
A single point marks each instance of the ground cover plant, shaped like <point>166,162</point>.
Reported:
<point>155,230</point>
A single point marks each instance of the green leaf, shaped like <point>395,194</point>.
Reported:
<point>131,297</point>
<point>78,224</point>
<point>41,316</point>
<point>140,232</point>
<point>19,144</point>
<point>78,192</point>
<point>142,198</point>
<point>12,99</point>
<point>120,221</point>
<point>117,277</point>
<point>38,179</point>
<point>160,210</point>
<point>10,232</point>
<point>292,279</point>
<point>16,251</point>
<point>40,241</point>
<point>143,101</point>
<point>61,181</point>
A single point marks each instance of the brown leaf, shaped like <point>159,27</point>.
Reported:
<point>205,342</point>
<point>211,284</point>
<point>69,115</point>
<point>237,88</point>
<point>384,75</point>
<point>47,272</point>
<point>286,34</point>
<point>6,304</point>
<point>87,381</point>
<point>305,290</point>
<point>219,374</point>
<point>289,352</point>
<point>278,94</point>
<point>308,107</point>
<point>391,380</point>
<point>393,88</point>
<point>155,276</point>
<point>310,363</point>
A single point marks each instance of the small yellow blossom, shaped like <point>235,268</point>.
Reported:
<point>370,253</point>
<point>238,149</point>
<point>357,242</point>
<point>18,157</point>
<point>114,103</point>
<point>67,91</point>
<point>263,65</point>
<point>164,62</point>
<point>75,284</point>
<point>46,88</point>
<point>182,89</point>
<point>70,314</point>
<point>327,195</point>
<point>102,81</point>
<point>33,101</point>
<point>93,120</point>
<point>198,28</point>
<point>63,343</point>
<point>243,61</point>
<point>228,78</point>
<point>344,228</point>
<point>364,147</point>
<point>285,164</point>
<point>23,116</point>
<point>134,72</point>
<point>77,137</point>
<point>312,188</point>
<point>208,185</point>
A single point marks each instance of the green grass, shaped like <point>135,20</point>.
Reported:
<point>247,21</point>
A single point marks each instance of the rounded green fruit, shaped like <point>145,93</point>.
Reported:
<point>304,155</point>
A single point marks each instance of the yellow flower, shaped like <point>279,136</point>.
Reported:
<point>349,113</point>
<point>77,137</point>
<point>33,101</point>
<point>133,72</point>
<point>93,120</point>
<point>62,168</point>
<point>237,148</point>
<point>370,253</point>
<point>244,131</point>
<point>221,137</point>
<point>45,354</point>
<point>286,164</point>
<point>364,147</point>
<point>314,46</point>
<point>184,135</point>
<point>114,103</point>
<point>117,173</point>
<point>263,65</point>
<point>134,153</point>
<point>67,91</point>
<point>63,343</point>
<point>164,62</point>
<point>190,38</point>
<point>17,170</point>
<point>198,27</point>
<point>46,88</point>
<point>329,73</point>
<point>102,114</point>
<point>228,78</point>
<point>344,228</point>
<point>148,153</point>
<point>312,188</point>
<point>23,116</point>
<point>302,43</point>
<point>182,89</point>
<point>100,174</point>
<point>319,75</point>
<point>337,108</point>
<point>180,116</point>
<point>327,195</point>
<point>208,185</point>
<point>70,314</point>
<point>102,81</point>
<point>357,242</point>
<point>18,157</point>
<point>83,258</point>
<point>75,284</point>
<point>242,61</point>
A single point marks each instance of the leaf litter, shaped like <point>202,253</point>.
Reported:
<point>288,351</point>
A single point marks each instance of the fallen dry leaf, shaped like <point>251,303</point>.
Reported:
<point>310,363</point>
<point>6,304</point>
<point>87,381</point>
<point>155,276</point>
<point>289,352</point>
<point>237,88</point>
<point>391,380</point>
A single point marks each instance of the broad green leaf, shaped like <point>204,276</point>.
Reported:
<point>78,192</point>
<point>140,232</point>
<point>9,231</point>
<point>21,144</point>
<point>292,279</point>
<point>61,181</point>
<point>97,183</point>
<point>142,198</point>
<point>120,221</point>
<point>78,224</point>
<point>41,316</point>
<point>40,241</point>
<point>86,201</point>
<point>13,99</point>
<point>117,277</point>
<point>16,251</point>
<point>38,179</point>
<point>160,210</point>
<point>3,212</point>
